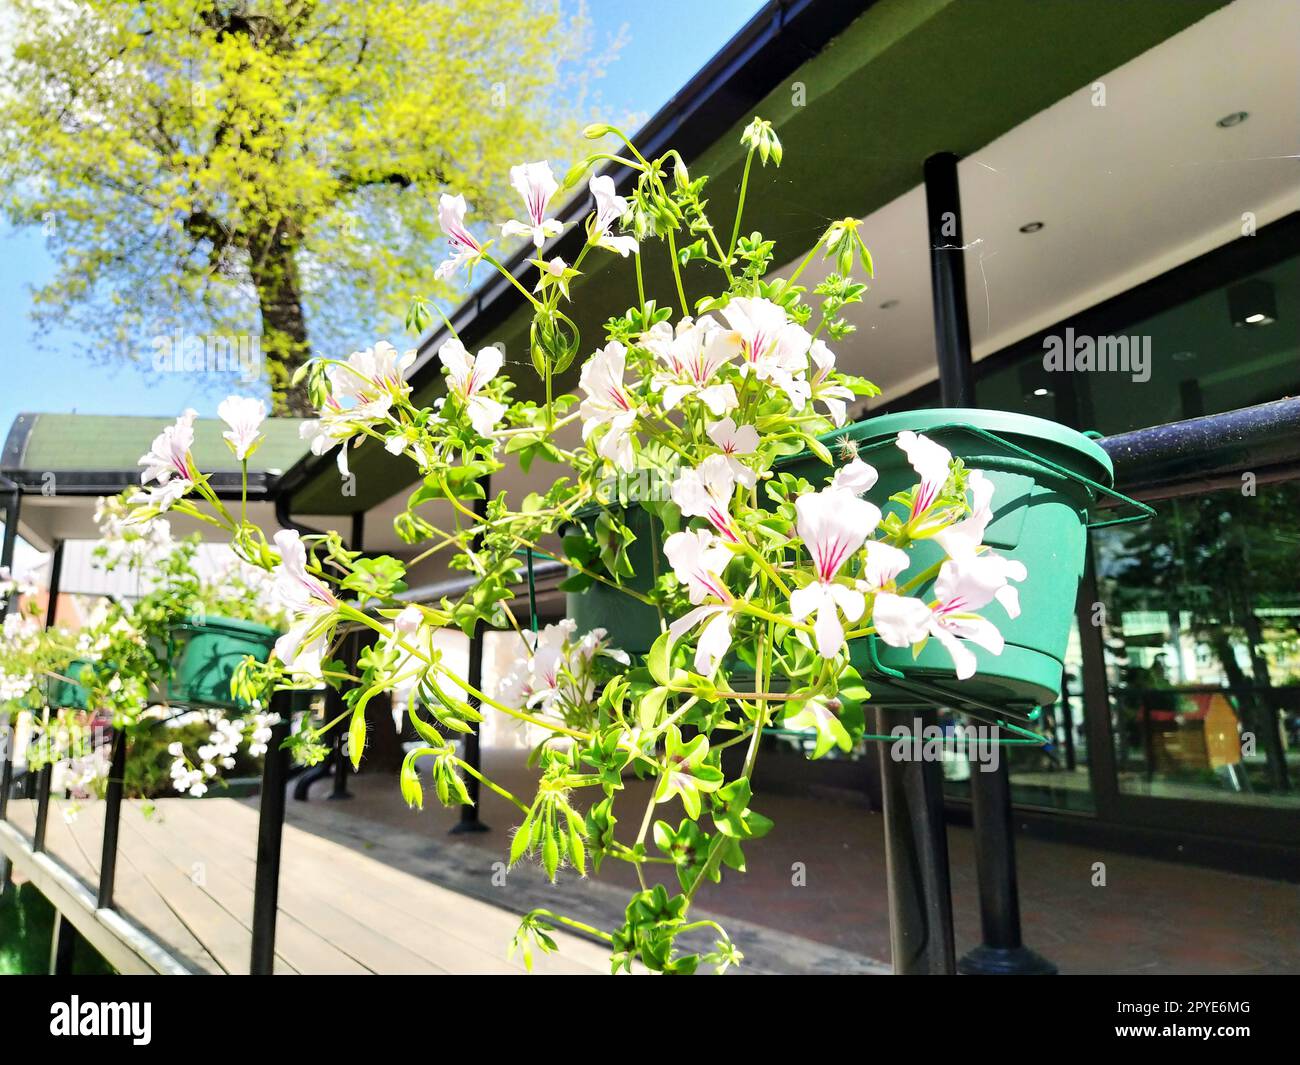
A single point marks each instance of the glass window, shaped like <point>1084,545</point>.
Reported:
<point>1052,776</point>
<point>1201,625</point>
<point>1231,347</point>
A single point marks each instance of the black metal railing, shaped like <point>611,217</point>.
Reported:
<point>270,832</point>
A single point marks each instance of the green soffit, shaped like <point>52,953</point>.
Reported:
<point>907,79</point>
<point>96,442</point>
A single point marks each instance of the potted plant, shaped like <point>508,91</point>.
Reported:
<point>715,489</point>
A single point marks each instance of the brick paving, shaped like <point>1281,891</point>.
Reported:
<point>1151,917</point>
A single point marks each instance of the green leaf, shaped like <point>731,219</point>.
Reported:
<point>659,660</point>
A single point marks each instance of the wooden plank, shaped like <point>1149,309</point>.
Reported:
<point>447,913</point>
<point>340,910</point>
<point>134,894</point>
<point>450,930</point>
<point>125,947</point>
<point>309,894</point>
<point>212,924</point>
<point>199,857</point>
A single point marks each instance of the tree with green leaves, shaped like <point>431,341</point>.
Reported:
<point>230,166</point>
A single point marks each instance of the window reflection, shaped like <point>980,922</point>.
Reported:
<point>1202,643</point>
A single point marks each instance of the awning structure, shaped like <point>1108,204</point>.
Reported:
<point>63,463</point>
<point>861,94</point>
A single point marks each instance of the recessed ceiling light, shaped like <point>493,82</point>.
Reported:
<point>1183,356</point>
<point>1252,303</point>
<point>1234,119</point>
<point>1041,392</point>
<point>1031,227</point>
<point>889,305</point>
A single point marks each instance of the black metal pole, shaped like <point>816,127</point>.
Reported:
<point>948,281</point>
<point>112,821</point>
<point>1001,951</point>
<point>270,834</point>
<point>42,806</point>
<point>6,782</point>
<point>916,857</point>
<point>469,819</point>
<point>13,508</point>
<point>339,753</point>
<point>56,579</point>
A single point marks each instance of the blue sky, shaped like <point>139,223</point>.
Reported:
<point>60,376</point>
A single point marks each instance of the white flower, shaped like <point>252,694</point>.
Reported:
<point>835,397</point>
<point>244,415</point>
<point>773,347</point>
<point>833,524</point>
<point>881,565</point>
<point>705,492</point>
<point>609,404</point>
<point>169,463</point>
<point>465,249</point>
<point>536,184</point>
<point>698,559</point>
<point>302,648</point>
<point>609,208</point>
<point>856,477</point>
<point>467,377</point>
<point>693,354</point>
<point>931,461</point>
<point>408,621</point>
<point>736,440</point>
<point>714,639</point>
<point>962,587</point>
<point>373,378</point>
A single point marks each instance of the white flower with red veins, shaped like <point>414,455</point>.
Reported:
<point>705,492</point>
<point>964,541</point>
<point>773,348</point>
<point>693,354</point>
<point>962,587</point>
<point>736,440</point>
<point>536,184</point>
<point>169,463</point>
<point>302,648</point>
<point>373,379</point>
<point>464,248</point>
<point>610,207</point>
<point>609,404</point>
<point>931,462</point>
<point>833,524</point>
<point>698,560</point>
<point>467,376</point>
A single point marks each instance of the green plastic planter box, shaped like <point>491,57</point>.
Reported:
<point>633,626</point>
<point>205,652</point>
<point>1046,476</point>
<point>69,694</point>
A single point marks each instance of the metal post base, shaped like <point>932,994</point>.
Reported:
<point>1004,961</point>
<point>468,828</point>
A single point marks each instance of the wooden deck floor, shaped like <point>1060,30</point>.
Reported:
<point>185,876</point>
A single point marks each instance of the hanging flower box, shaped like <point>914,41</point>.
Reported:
<point>66,691</point>
<point>204,654</point>
<point>1044,479</point>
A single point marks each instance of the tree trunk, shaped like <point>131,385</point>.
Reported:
<point>284,328</point>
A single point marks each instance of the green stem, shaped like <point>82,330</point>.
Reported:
<point>740,205</point>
